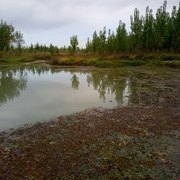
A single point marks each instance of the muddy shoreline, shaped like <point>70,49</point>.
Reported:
<point>120,143</point>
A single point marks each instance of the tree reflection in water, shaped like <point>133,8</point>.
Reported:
<point>107,84</point>
<point>13,81</point>
<point>75,82</point>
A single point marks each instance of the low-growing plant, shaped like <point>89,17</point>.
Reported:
<point>104,64</point>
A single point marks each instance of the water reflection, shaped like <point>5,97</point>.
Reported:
<point>126,93</point>
<point>40,93</point>
<point>11,84</point>
<point>45,93</point>
<point>75,82</point>
<point>107,84</point>
<point>14,81</point>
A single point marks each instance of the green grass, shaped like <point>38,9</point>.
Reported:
<point>98,60</point>
<point>105,64</point>
<point>119,63</point>
<point>169,63</point>
<point>15,59</point>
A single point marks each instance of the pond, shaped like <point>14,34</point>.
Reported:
<point>42,93</point>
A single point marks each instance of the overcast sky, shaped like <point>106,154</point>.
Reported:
<point>54,21</point>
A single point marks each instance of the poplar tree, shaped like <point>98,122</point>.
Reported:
<point>136,30</point>
<point>18,40</point>
<point>111,42</point>
<point>95,42</point>
<point>6,36</point>
<point>121,37</point>
<point>161,27</point>
<point>148,30</point>
<point>177,30</point>
<point>102,40</point>
<point>74,43</point>
<point>150,33</point>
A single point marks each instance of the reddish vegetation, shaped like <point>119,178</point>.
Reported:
<point>120,143</point>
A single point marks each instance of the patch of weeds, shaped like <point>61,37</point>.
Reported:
<point>54,62</point>
<point>3,60</point>
<point>173,64</point>
<point>169,57</point>
<point>118,156</point>
<point>41,56</point>
<point>119,63</point>
<point>104,64</point>
<point>91,62</point>
<point>133,63</point>
<point>26,59</point>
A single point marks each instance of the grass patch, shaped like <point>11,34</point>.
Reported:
<point>73,60</point>
<point>133,63</point>
<point>41,56</point>
<point>170,57</point>
<point>105,64</point>
<point>172,63</point>
<point>119,63</point>
<point>25,57</point>
<point>98,60</point>
<point>16,60</point>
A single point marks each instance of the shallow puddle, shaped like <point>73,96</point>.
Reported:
<point>41,93</point>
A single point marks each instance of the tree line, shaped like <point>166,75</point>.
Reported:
<point>148,33</point>
<point>159,32</point>
<point>12,42</point>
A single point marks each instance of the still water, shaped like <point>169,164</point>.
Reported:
<point>40,93</point>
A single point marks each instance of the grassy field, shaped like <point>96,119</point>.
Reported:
<point>98,60</point>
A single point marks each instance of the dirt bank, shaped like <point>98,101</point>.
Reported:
<point>120,143</point>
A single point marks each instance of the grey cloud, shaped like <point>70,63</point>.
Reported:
<point>35,16</point>
<point>51,13</point>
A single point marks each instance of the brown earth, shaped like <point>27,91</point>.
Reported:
<point>138,142</point>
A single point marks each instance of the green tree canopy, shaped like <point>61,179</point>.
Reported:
<point>9,37</point>
<point>74,43</point>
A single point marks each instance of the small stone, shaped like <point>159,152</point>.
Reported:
<point>52,143</point>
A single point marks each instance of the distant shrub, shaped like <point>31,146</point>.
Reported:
<point>3,60</point>
<point>54,62</point>
<point>139,56</point>
<point>41,56</point>
<point>89,62</point>
<point>173,64</point>
<point>119,63</point>
<point>104,64</point>
<point>149,57</point>
<point>168,57</point>
<point>133,63</point>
